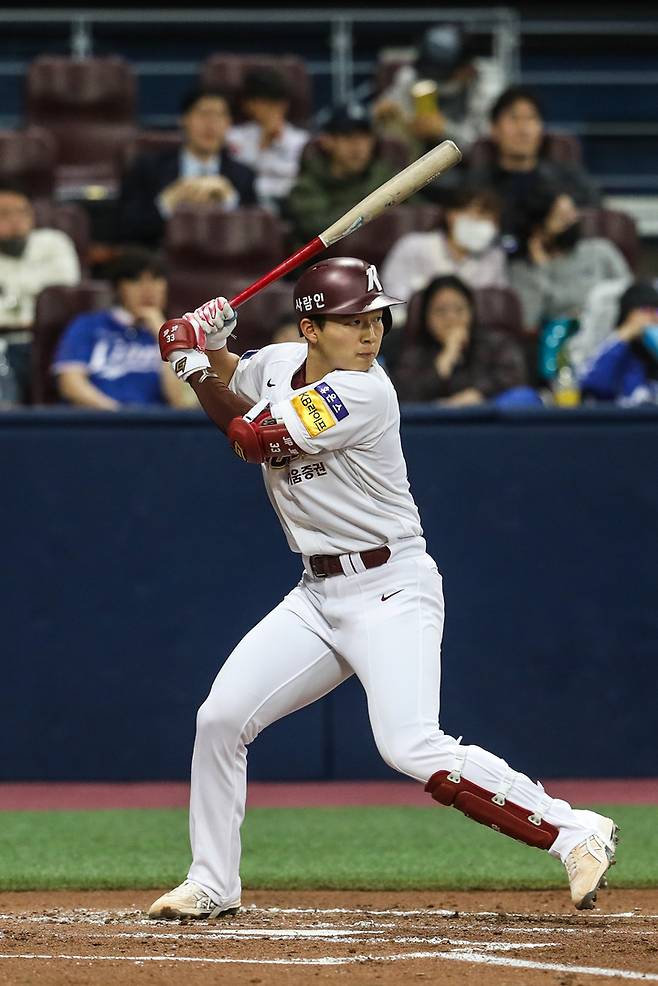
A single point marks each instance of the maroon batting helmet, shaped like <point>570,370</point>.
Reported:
<point>342,286</point>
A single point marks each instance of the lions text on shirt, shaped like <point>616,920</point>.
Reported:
<point>121,359</point>
<point>349,490</point>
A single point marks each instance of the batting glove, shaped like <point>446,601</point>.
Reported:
<point>218,321</point>
<point>182,344</point>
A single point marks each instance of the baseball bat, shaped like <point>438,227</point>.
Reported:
<point>397,189</point>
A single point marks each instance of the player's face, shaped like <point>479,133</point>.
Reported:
<point>518,130</point>
<point>205,125</point>
<point>349,342</point>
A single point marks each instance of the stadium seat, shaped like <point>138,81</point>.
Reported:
<point>147,142</point>
<point>28,157</point>
<point>497,309</point>
<point>55,308</point>
<point>227,72</point>
<point>562,147</point>
<point>71,218</point>
<point>388,148</point>
<point>616,226</point>
<point>258,317</point>
<point>244,242</point>
<point>88,105</point>
<point>373,241</point>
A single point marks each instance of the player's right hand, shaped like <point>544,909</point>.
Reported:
<point>182,343</point>
<point>217,320</point>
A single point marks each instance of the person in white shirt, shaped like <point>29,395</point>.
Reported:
<point>267,142</point>
<point>321,418</point>
<point>465,244</point>
<point>30,260</point>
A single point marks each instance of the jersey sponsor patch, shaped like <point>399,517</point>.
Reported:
<point>313,412</point>
<point>333,400</point>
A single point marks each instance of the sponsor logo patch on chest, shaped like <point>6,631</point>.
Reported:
<point>318,410</point>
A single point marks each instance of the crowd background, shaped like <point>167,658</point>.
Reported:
<point>526,278</point>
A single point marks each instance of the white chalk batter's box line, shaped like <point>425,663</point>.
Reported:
<point>459,955</point>
<point>82,916</point>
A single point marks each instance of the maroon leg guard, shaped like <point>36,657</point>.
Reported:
<point>491,809</point>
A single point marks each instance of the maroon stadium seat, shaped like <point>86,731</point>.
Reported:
<point>28,157</point>
<point>71,218</point>
<point>616,226</point>
<point>227,72</point>
<point>497,309</point>
<point>89,107</point>
<point>373,241</point>
<point>562,147</point>
<point>55,308</point>
<point>388,148</point>
<point>147,142</point>
<point>257,318</point>
<point>241,243</point>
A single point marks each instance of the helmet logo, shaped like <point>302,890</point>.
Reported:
<point>373,279</point>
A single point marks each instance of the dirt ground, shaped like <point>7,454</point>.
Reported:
<point>530,939</point>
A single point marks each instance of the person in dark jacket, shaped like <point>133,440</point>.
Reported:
<point>452,361</point>
<point>517,131</point>
<point>200,171</point>
<point>625,368</point>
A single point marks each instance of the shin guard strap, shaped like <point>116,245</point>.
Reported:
<point>481,805</point>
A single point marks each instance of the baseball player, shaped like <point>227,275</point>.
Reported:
<point>322,419</point>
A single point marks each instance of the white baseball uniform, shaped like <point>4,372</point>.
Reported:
<point>347,494</point>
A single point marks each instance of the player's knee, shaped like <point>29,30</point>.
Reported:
<point>217,717</point>
<point>409,752</point>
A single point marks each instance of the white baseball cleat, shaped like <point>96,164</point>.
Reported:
<point>189,901</point>
<point>608,831</point>
<point>589,861</point>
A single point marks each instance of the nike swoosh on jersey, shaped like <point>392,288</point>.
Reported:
<point>270,383</point>
<point>384,598</point>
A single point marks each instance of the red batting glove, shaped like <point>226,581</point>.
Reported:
<point>182,343</point>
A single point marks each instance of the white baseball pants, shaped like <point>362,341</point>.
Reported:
<point>384,625</point>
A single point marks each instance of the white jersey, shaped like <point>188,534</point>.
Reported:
<point>349,490</point>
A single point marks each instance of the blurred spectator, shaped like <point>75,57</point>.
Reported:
<point>453,361</point>
<point>30,260</point>
<point>342,172</point>
<point>517,131</point>
<point>286,331</point>
<point>466,245</point>
<point>268,143</point>
<point>554,268</point>
<point>597,320</point>
<point>625,368</point>
<point>201,171</point>
<point>446,93</point>
<point>106,359</point>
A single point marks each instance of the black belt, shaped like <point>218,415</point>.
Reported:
<point>323,566</point>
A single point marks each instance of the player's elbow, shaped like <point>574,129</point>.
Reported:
<point>243,437</point>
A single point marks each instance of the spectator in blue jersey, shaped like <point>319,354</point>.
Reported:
<point>625,367</point>
<point>110,359</point>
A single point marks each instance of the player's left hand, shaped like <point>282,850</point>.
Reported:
<point>217,320</point>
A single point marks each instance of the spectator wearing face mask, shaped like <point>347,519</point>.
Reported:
<point>625,367</point>
<point>465,244</point>
<point>30,260</point>
<point>555,268</point>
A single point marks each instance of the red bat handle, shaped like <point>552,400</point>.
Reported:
<point>311,248</point>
